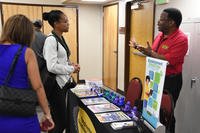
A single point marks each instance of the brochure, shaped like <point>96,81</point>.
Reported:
<point>103,108</point>
<point>112,116</point>
<point>95,100</point>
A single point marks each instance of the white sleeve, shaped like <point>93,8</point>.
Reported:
<point>50,52</point>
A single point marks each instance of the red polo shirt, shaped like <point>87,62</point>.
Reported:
<point>174,48</point>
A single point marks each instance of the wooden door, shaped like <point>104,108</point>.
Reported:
<point>71,35</point>
<point>142,27</point>
<point>32,12</point>
<point>110,28</point>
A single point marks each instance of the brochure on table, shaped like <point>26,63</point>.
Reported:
<point>154,82</point>
<point>99,108</point>
<point>112,116</point>
<point>95,100</point>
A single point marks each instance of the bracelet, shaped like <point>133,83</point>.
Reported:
<point>47,116</point>
<point>151,54</point>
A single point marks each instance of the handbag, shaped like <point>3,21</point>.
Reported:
<point>17,102</point>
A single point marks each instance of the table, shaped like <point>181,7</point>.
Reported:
<point>74,105</point>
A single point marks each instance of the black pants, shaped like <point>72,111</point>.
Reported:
<point>58,108</point>
<point>173,84</point>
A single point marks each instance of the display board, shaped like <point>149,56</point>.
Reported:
<point>154,82</point>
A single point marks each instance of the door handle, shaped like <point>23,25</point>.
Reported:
<point>115,51</point>
<point>193,81</point>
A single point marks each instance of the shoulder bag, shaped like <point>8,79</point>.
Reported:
<point>17,102</point>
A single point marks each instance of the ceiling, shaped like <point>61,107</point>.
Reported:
<point>86,2</point>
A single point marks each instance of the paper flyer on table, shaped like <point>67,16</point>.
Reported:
<point>112,116</point>
<point>95,100</point>
<point>103,108</point>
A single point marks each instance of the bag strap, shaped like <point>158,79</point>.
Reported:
<point>63,43</point>
<point>13,64</point>
<point>56,41</point>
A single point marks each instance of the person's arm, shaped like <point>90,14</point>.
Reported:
<point>146,51</point>
<point>34,76</point>
<point>50,54</point>
<point>156,55</point>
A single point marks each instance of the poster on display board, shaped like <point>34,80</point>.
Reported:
<point>154,83</point>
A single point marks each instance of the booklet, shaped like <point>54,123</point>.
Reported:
<point>112,116</point>
<point>103,108</point>
<point>95,100</point>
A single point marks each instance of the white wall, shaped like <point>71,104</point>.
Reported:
<point>90,36</point>
<point>121,48</point>
<point>90,41</point>
<point>121,45</point>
